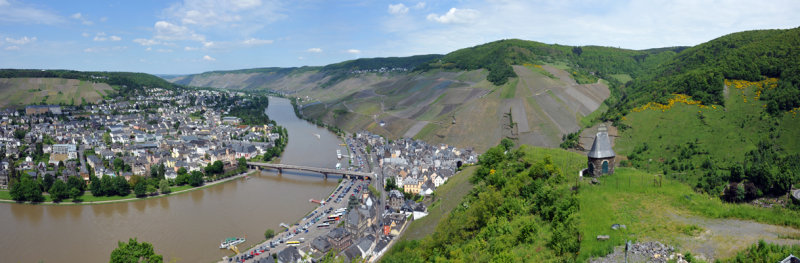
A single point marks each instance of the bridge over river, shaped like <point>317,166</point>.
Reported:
<point>323,171</point>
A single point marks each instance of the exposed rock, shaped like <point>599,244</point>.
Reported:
<point>639,252</point>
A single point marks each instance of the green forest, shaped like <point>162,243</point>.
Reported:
<point>700,71</point>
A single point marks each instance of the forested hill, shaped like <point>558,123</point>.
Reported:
<point>323,76</point>
<point>586,62</point>
<point>700,71</point>
<point>128,82</point>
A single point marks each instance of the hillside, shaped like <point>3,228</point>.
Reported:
<point>18,92</point>
<point>301,77</point>
<point>528,205</point>
<point>700,71</point>
<point>456,98</point>
<point>31,86</point>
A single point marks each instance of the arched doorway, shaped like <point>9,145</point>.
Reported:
<point>605,167</point>
<point>591,168</point>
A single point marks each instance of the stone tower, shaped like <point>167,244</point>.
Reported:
<point>601,157</point>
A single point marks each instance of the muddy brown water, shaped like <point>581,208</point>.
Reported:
<point>185,227</point>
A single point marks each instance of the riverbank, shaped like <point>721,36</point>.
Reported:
<point>306,223</point>
<point>5,196</point>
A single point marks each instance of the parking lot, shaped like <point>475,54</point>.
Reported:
<point>317,223</point>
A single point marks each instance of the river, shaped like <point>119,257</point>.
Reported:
<point>185,227</point>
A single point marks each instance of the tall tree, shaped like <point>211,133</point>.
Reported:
<point>121,186</point>
<point>107,186</point>
<point>133,251</point>
<point>77,183</point>
<point>58,191</point>
<point>48,181</point>
<point>140,188</point>
<point>95,185</point>
<point>164,186</point>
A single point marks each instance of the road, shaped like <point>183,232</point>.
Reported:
<point>308,223</point>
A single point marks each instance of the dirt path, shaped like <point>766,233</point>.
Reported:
<point>519,115</point>
<point>415,129</point>
<point>722,238</point>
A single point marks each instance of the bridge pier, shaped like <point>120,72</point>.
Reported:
<point>325,175</point>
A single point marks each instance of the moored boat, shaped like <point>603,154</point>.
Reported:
<point>231,241</point>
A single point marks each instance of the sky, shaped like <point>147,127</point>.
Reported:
<point>193,36</point>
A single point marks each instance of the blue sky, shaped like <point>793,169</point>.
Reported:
<point>193,36</point>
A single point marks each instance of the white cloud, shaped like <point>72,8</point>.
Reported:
<point>164,50</point>
<point>147,42</point>
<point>104,49</point>
<point>208,58</point>
<point>314,50</point>
<point>12,48</point>
<point>208,44</point>
<point>626,24</point>
<point>256,42</point>
<point>114,38</point>
<point>353,51</point>
<point>398,9</point>
<point>84,34</point>
<point>213,13</point>
<point>168,31</point>
<point>21,41</point>
<point>83,19</point>
<point>14,12</point>
<point>455,15</point>
<point>419,5</point>
<point>190,48</point>
<point>100,37</point>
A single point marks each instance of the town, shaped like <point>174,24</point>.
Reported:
<point>163,133</point>
<point>361,218</point>
<point>164,136</point>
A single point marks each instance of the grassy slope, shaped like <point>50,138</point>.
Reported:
<point>726,133</point>
<point>22,91</point>
<point>630,197</point>
<point>448,196</point>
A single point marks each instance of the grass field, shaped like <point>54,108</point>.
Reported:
<point>650,212</point>
<point>622,77</point>
<point>448,196</point>
<point>17,92</point>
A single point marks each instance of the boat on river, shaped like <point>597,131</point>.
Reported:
<point>339,154</point>
<point>231,241</point>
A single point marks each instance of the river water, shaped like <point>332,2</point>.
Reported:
<point>185,227</point>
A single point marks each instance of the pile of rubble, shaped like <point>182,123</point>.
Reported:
<point>639,252</point>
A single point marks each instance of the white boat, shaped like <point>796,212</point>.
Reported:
<point>338,166</point>
<point>339,154</point>
<point>231,241</point>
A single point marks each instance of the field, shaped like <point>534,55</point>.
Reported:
<point>18,92</point>
<point>674,214</point>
